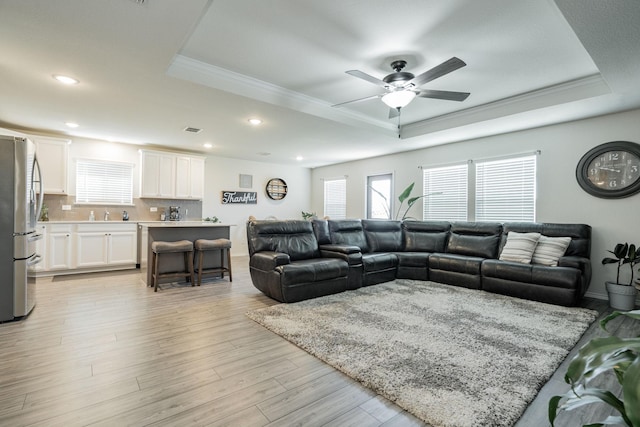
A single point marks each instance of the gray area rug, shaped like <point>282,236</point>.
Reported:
<point>449,355</point>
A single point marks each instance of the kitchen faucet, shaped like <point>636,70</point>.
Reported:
<point>106,215</point>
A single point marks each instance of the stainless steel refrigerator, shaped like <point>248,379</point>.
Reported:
<point>21,199</point>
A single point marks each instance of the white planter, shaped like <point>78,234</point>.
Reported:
<point>621,297</point>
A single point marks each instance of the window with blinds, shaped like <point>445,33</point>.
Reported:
<point>445,192</point>
<point>335,198</point>
<point>506,190</point>
<point>103,182</point>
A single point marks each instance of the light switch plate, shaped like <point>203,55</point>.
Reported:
<point>153,209</point>
<point>66,207</point>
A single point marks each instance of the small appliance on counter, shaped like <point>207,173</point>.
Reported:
<point>125,216</point>
<point>174,213</point>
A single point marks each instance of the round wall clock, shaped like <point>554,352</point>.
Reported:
<point>610,170</point>
<point>276,189</point>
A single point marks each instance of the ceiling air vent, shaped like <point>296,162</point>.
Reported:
<point>192,130</point>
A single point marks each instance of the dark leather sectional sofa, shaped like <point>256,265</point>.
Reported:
<point>296,260</point>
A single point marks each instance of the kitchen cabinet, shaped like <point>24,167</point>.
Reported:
<point>59,247</point>
<point>171,176</point>
<point>104,245</point>
<point>53,156</point>
<point>189,177</point>
<point>158,174</point>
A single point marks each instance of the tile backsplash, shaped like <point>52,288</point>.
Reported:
<point>191,210</point>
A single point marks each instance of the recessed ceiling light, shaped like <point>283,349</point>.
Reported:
<point>298,158</point>
<point>207,145</point>
<point>66,79</point>
<point>264,153</point>
<point>72,125</point>
<point>255,121</point>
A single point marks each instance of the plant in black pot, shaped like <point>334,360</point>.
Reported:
<point>622,296</point>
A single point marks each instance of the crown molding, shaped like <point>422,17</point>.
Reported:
<point>199,72</point>
<point>573,90</point>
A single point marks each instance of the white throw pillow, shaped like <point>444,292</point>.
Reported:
<point>519,247</point>
<point>550,249</point>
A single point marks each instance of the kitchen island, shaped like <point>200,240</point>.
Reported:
<point>170,231</point>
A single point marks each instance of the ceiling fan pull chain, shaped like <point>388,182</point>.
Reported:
<point>399,129</point>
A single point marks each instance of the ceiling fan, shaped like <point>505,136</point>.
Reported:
<point>402,87</point>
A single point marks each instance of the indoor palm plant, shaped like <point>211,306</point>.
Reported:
<point>622,296</point>
<point>604,354</point>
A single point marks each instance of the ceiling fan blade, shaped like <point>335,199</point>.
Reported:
<point>393,113</point>
<point>357,100</point>
<point>444,94</point>
<point>364,76</point>
<point>437,71</point>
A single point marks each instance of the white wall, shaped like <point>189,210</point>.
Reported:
<point>559,198</point>
<point>222,174</point>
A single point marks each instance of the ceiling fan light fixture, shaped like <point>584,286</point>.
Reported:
<point>398,99</point>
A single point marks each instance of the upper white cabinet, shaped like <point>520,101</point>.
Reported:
<point>171,176</point>
<point>158,174</point>
<point>52,155</point>
<point>189,177</point>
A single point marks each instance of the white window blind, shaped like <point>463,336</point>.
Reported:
<point>103,182</point>
<point>335,198</point>
<point>506,189</point>
<point>445,193</point>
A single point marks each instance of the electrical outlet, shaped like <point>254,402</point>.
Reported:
<point>154,209</point>
<point>66,207</point>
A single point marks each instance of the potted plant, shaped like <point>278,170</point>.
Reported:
<point>604,354</point>
<point>404,196</point>
<point>622,296</point>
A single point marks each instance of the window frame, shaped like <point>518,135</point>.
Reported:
<point>371,193</point>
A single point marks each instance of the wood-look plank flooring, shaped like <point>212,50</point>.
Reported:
<point>104,350</point>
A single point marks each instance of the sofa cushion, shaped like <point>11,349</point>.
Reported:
<point>475,239</point>
<point>293,237</point>
<point>383,235</point>
<point>456,263</point>
<point>519,247</point>
<point>377,261</point>
<point>550,249</point>
<point>413,259</point>
<point>348,232</point>
<point>321,229</point>
<point>425,236</point>
<point>312,270</point>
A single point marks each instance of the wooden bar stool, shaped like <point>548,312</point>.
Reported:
<point>222,245</point>
<point>180,246</point>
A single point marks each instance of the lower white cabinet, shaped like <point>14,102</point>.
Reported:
<point>59,246</point>
<point>100,245</point>
<point>80,247</point>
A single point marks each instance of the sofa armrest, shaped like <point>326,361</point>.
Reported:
<point>582,264</point>
<point>269,260</point>
<point>343,249</point>
<point>349,253</point>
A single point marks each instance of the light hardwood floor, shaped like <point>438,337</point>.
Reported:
<point>103,349</point>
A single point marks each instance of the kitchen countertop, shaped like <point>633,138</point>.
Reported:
<point>158,224</point>
<point>143,223</point>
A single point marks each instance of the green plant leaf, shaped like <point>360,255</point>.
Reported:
<point>634,314</point>
<point>407,191</point>
<point>596,354</point>
<point>553,408</point>
<point>620,251</point>
<point>631,392</point>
